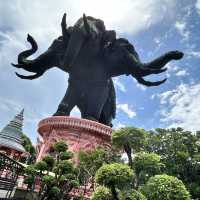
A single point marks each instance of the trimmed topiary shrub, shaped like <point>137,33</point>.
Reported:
<point>164,187</point>
<point>102,193</point>
<point>132,195</point>
<point>115,176</point>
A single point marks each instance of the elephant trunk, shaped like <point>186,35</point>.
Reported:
<point>38,65</point>
<point>23,55</point>
<point>138,70</point>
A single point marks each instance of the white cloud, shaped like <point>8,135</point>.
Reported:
<point>126,109</point>
<point>198,6</point>
<point>158,42</point>
<point>8,105</point>
<point>193,53</point>
<point>171,69</point>
<point>127,16</point>
<point>139,85</point>
<point>182,73</point>
<point>118,83</point>
<point>164,96</point>
<point>181,106</point>
<point>119,125</point>
<point>181,27</point>
<point>174,70</point>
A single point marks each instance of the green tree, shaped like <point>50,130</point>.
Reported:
<point>179,151</point>
<point>60,146</point>
<point>131,140</point>
<point>50,162</point>
<point>30,178</point>
<point>115,176</point>
<point>58,177</point>
<point>145,166</point>
<point>41,166</point>
<point>164,187</point>
<point>28,146</point>
<point>91,161</point>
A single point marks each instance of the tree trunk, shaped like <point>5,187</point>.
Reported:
<point>128,151</point>
<point>114,193</point>
<point>136,184</point>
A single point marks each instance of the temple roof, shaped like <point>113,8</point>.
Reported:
<point>11,134</point>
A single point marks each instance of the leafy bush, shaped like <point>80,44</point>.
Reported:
<point>60,146</point>
<point>49,160</point>
<point>164,187</point>
<point>48,180</point>
<point>116,174</point>
<point>148,162</point>
<point>146,165</point>
<point>132,195</point>
<point>41,166</point>
<point>66,155</point>
<point>54,193</point>
<point>102,193</point>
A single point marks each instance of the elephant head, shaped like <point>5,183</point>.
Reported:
<point>90,32</point>
<point>123,59</point>
<point>51,58</point>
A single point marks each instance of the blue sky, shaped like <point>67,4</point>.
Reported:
<point>152,26</point>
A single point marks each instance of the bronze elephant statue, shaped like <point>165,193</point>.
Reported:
<point>92,55</point>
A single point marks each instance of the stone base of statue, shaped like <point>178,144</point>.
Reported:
<point>79,134</point>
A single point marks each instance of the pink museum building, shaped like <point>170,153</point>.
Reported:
<point>79,134</point>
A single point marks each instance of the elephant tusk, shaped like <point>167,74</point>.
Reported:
<point>64,28</point>
<point>153,71</point>
<point>149,83</point>
<point>17,65</point>
<point>63,23</point>
<point>86,24</point>
<point>31,77</point>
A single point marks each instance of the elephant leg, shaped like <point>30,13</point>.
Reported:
<point>109,108</point>
<point>105,117</point>
<point>161,61</point>
<point>95,99</point>
<point>67,104</point>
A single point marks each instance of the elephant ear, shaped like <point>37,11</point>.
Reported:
<point>133,66</point>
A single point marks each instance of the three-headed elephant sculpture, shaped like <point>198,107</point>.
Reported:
<point>91,55</point>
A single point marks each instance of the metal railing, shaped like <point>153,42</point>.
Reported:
<point>9,172</point>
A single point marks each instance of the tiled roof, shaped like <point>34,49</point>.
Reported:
<point>10,136</point>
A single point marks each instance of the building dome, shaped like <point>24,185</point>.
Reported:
<point>10,136</point>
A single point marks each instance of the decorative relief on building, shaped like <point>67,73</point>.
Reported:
<point>80,134</point>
